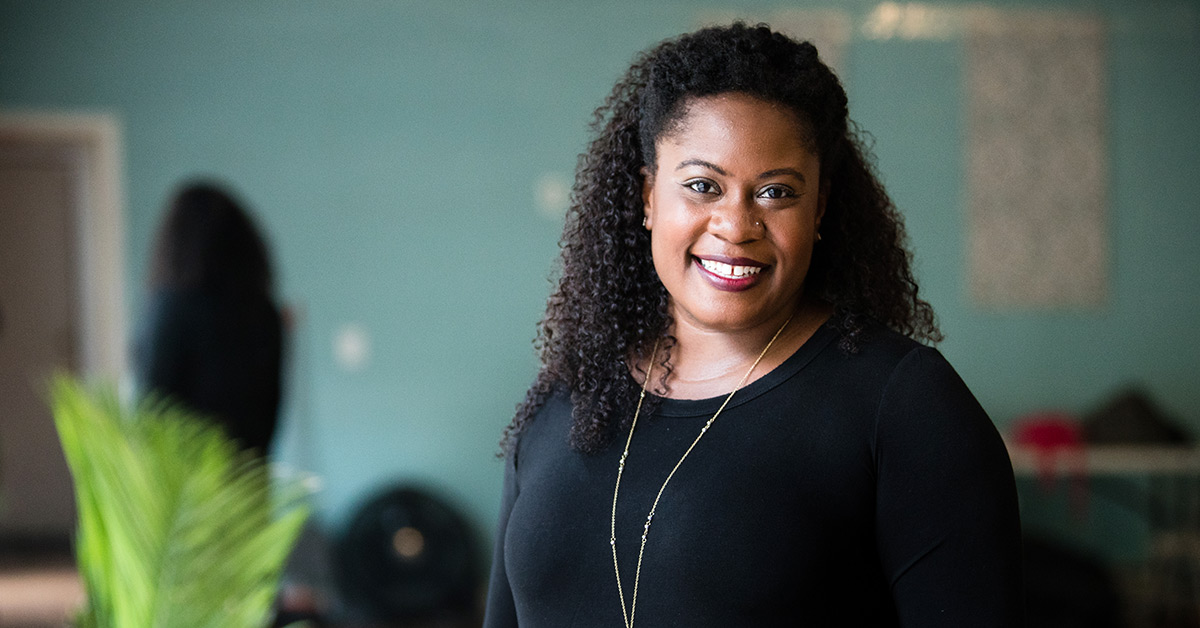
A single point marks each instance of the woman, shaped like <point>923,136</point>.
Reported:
<point>734,423</point>
<point>212,337</point>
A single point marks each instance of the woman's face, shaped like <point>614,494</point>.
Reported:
<point>733,205</point>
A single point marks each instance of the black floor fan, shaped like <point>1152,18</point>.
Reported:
<point>408,557</point>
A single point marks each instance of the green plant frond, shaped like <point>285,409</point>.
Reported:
<point>178,527</point>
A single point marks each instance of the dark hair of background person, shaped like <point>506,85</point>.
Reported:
<point>212,337</point>
<point>207,241</point>
<point>610,305</point>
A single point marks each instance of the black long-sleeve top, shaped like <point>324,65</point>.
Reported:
<point>865,489</point>
<point>220,355</point>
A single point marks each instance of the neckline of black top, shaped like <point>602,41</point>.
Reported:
<point>685,408</point>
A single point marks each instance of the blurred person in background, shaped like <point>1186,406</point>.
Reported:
<point>212,334</point>
<point>212,339</point>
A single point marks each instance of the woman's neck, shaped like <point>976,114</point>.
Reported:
<point>708,363</point>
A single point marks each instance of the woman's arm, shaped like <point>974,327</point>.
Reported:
<point>501,612</point>
<point>947,525</point>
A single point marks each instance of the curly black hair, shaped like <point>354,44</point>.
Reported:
<point>610,305</point>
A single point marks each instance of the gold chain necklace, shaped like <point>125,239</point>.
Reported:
<point>612,541</point>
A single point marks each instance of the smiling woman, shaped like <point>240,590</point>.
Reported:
<point>736,306</point>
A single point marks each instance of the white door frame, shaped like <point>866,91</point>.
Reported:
<point>99,228</point>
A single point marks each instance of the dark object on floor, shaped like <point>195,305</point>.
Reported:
<point>306,590</point>
<point>1131,417</point>
<point>408,555</point>
<point>1068,589</point>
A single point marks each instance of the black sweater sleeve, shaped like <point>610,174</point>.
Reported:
<point>501,611</point>
<point>947,526</point>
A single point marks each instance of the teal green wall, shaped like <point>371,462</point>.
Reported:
<point>391,148</point>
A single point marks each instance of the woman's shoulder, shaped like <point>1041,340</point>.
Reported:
<point>876,354</point>
<point>920,394</point>
<point>550,423</point>
<point>876,341</point>
<point>894,370</point>
<point>908,357</point>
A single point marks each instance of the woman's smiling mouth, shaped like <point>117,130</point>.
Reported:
<point>728,271</point>
<point>733,275</point>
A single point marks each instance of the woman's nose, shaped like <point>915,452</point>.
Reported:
<point>736,220</point>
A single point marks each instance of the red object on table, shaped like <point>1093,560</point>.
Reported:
<point>1053,435</point>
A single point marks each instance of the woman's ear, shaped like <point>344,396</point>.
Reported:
<point>647,196</point>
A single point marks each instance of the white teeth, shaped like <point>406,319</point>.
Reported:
<point>729,271</point>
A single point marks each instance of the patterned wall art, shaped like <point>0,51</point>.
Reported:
<point>1037,167</point>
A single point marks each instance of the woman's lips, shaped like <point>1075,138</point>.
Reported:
<point>729,274</point>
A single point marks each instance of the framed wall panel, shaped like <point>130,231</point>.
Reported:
<point>1037,166</point>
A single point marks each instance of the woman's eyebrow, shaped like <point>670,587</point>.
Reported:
<point>778,171</point>
<point>721,171</point>
<point>701,162</point>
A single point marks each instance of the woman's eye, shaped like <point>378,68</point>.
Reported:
<point>776,191</point>
<point>702,186</point>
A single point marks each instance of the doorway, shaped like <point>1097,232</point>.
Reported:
<point>61,303</point>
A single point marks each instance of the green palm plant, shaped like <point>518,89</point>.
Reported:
<point>178,528</point>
